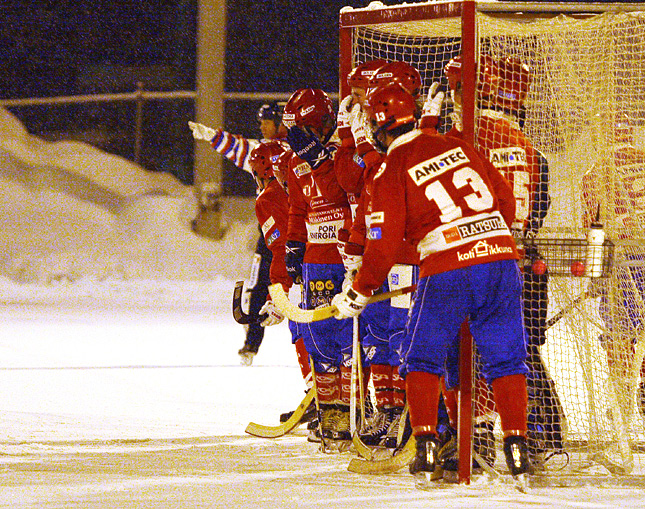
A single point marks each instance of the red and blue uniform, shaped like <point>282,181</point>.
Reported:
<point>315,220</point>
<point>452,205</point>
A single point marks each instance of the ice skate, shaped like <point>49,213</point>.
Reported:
<point>377,426</point>
<point>426,458</point>
<point>517,455</point>
<point>246,355</point>
<point>308,416</point>
<point>391,438</point>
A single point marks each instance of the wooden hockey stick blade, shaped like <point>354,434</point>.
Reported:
<point>362,449</point>
<point>296,314</point>
<point>259,430</point>
<point>399,460</point>
<point>238,314</point>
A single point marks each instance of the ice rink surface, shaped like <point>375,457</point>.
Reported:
<point>130,395</point>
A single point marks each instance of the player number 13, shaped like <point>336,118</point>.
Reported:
<point>480,199</point>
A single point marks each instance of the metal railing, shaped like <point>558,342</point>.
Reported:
<point>140,96</point>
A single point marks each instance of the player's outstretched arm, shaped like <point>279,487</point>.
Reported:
<point>235,148</point>
<point>201,132</point>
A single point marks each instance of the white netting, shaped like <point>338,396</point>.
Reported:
<point>588,81</point>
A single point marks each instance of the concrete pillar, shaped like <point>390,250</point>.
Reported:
<point>209,108</point>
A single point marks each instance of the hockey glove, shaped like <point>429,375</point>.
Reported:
<point>274,317</point>
<point>350,303</point>
<point>352,265</point>
<point>293,258</point>
<point>307,146</point>
<point>432,108</point>
<point>344,121</point>
<point>343,237</point>
<point>201,132</point>
<point>363,146</point>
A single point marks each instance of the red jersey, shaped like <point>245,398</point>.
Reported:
<point>340,175</point>
<point>315,218</point>
<point>618,178</point>
<point>500,139</point>
<point>348,171</point>
<point>407,254</point>
<point>272,211</point>
<point>437,192</point>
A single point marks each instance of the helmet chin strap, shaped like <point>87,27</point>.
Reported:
<point>375,134</point>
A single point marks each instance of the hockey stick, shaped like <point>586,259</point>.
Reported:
<point>362,449</point>
<point>296,314</point>
<point>369,453</point>
<point>355,373</point>
<point>259,430</point>
<point>399,460</point>
<point>568,308</point>
<point>238,313</point>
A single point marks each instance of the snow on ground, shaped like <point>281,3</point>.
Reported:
<point>121,384</point>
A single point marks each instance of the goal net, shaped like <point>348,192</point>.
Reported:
<point>584,112</point>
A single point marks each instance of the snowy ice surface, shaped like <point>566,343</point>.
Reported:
<point>121,384</point>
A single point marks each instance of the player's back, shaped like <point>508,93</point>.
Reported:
<point>451,200</point>
<point>512,153</point>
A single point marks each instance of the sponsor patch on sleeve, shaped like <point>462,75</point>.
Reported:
<point>377,217</point>
<point>374,233</point>
<point>275,235</point>
<point>268,224</point>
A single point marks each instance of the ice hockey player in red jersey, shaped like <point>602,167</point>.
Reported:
<point>453,206</point>
<point>382,324</point>
<point>238,149</point>
<point>503,86</point>
<point>272,211</point>
<point>312,256</point>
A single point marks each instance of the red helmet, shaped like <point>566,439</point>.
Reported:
<point>390,106</point>
<point>506,82</point>
<point>453,72</point>
<point>307,107</point>
<point>405,74</point>
<point>280,166</point>
<point>360,76</point>
<point>263,157</point>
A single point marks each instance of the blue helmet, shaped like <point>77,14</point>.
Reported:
<point>271,111</point>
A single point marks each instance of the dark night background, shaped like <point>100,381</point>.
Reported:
<point>62,48</point>
<point>73,47</point>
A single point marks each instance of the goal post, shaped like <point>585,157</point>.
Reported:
<point>585,113</point>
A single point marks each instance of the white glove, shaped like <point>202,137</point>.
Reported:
<point>352,265</point>
<point>432,106</point>
<point>201,132</point>
<point>344,118</point>
<point>274,316</point>
<point>358,130</point>
<point>350,303</point>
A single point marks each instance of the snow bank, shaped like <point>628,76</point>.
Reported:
<point>70,211</point>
